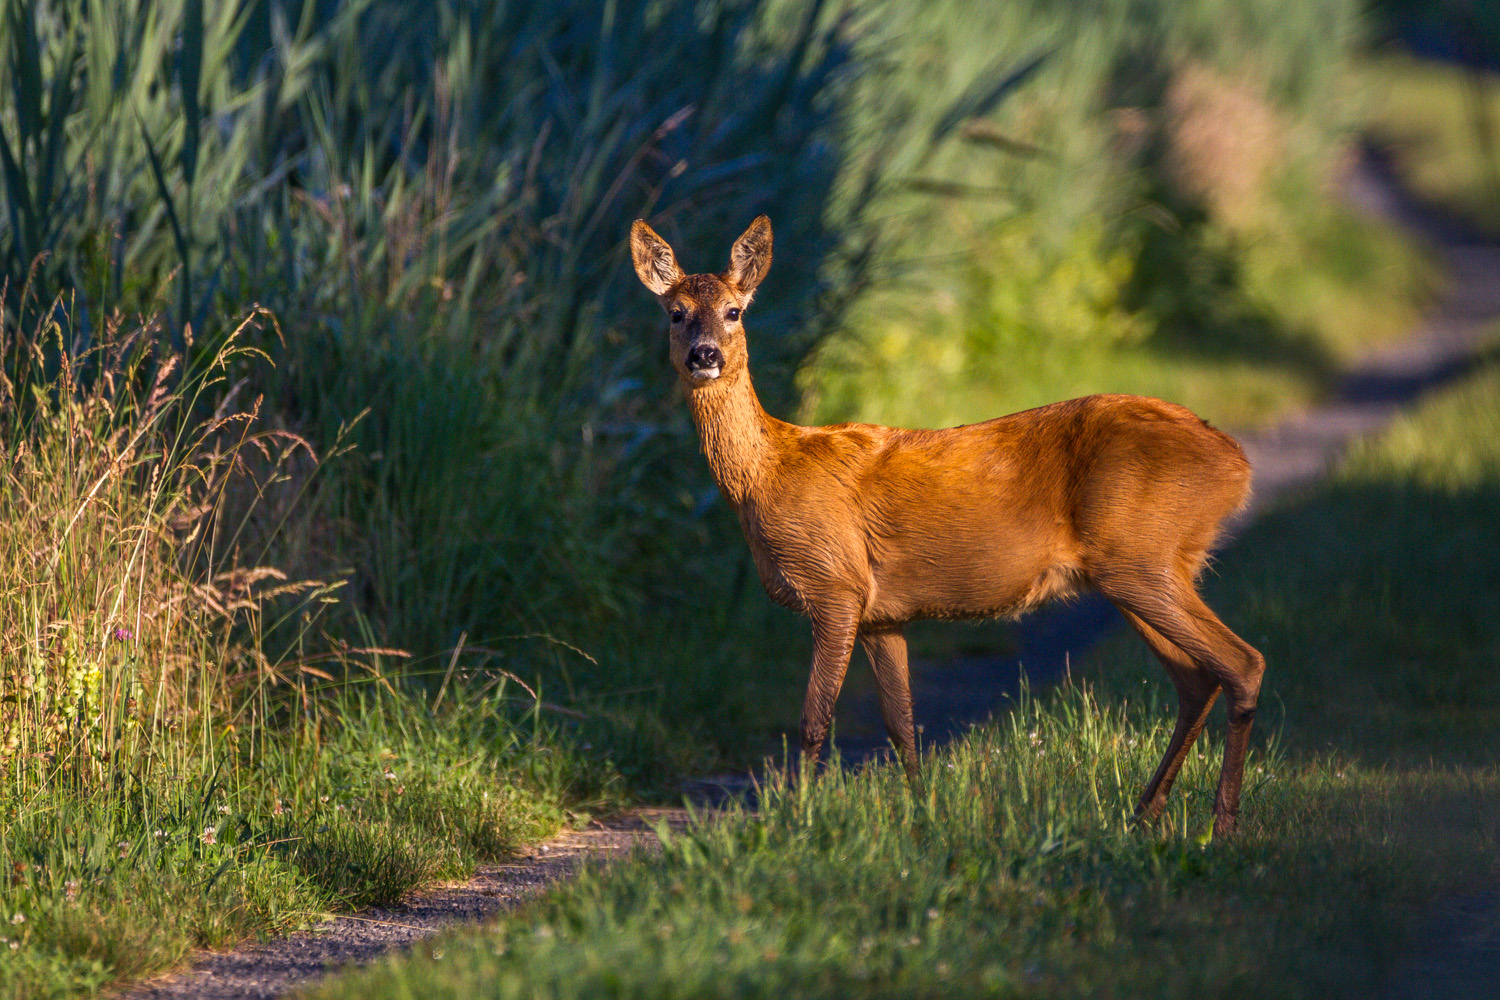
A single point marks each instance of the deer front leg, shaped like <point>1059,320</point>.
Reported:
<point>833,641</point>
<point>887,652</point>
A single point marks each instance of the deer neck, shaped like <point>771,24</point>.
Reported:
<point>735,433</point>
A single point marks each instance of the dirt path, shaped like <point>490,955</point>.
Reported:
<point>272,969</point>
<point>1464,951</point>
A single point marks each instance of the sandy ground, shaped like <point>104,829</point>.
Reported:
<point>1460,957</point>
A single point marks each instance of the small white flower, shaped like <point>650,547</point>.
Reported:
<point>15,946</point>
<point>390,776</point>
<point>124,847</point>
<point>223,810</point>
<point>158,834</point>
<point>210,835</point>
<point>19,918</point>
<point>932,913</point>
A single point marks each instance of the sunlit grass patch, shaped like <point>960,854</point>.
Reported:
<point>1437,121</point>
<point>1242,321</point>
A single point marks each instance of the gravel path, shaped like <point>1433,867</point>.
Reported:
<point>272,969</point>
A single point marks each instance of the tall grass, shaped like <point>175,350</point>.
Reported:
<point>177,766</point>
<point>110,492</point>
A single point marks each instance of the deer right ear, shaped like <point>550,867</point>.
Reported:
<point>655,263</point>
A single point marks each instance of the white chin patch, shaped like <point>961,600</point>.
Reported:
<point>705,374</point>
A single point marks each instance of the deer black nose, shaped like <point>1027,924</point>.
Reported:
<point>704,357</point>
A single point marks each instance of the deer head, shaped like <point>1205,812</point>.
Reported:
<point>706,310</point>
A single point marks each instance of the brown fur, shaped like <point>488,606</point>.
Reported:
<point>865,528</point>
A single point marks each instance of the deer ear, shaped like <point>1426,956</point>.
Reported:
<point>750,258</point>
<point>655,264</point>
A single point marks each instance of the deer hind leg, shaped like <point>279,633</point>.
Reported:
<point>1179,616</point>
<point>833,642</point>
<point>1196,692</point>
<point>887,652</point>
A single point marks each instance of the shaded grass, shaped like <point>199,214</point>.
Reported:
<point>1371,793</point>
<point>1380,586</point>
<point>1018,874</point>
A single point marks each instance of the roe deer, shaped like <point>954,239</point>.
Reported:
<point>866,528</point>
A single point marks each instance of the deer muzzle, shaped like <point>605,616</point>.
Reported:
<point>705,362</point>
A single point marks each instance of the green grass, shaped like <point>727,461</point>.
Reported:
<point>1432,118</point>
<point>222,843</point>
<point>175,770</point>
<point>508,487</point>
<point>1381,586</point>
<point>1371,796</point>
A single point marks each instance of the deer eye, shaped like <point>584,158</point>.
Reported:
<point>676,315</point>
<point>732,315</point>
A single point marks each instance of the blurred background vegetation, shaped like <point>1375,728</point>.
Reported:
<point>469,470</point>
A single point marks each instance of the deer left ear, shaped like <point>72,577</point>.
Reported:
<point>750,258</point>
<point>655,264</point>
